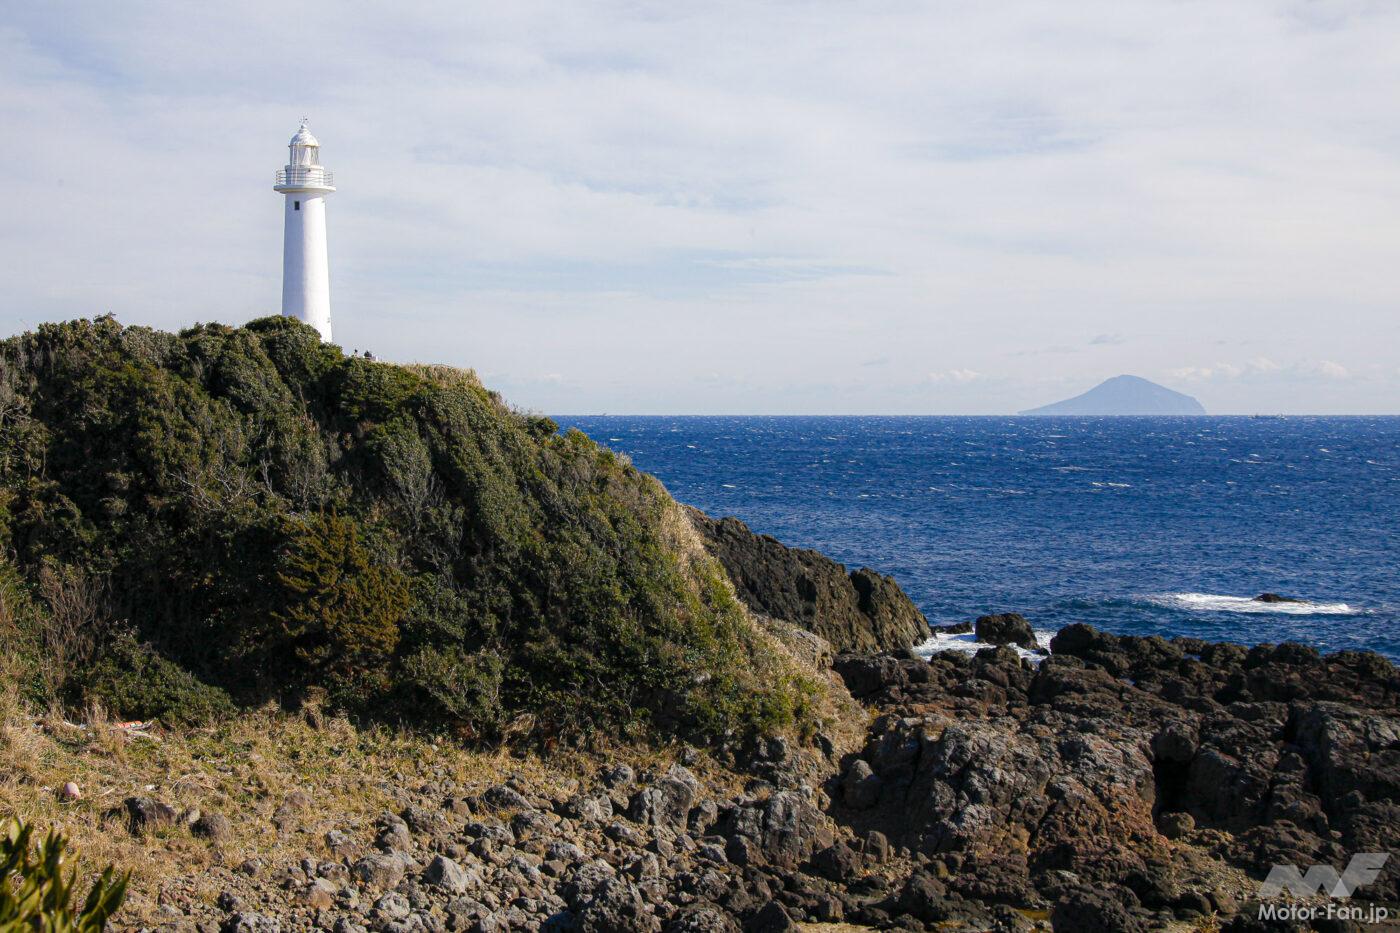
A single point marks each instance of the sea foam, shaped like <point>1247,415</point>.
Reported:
<point>1211,602</point>
<point>968,644</point>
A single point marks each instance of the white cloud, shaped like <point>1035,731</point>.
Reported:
<point>1331,370</point>
<point>1262,369</point>
<point>769,193</point>
<point>956,376</point>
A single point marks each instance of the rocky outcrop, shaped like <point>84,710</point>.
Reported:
<point>859,611</point>
<point>1124,781</point>
<point>1121,784</point>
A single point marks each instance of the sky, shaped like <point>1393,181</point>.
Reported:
<point>756,207</point>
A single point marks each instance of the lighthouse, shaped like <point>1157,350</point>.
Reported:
<point>306,277</point>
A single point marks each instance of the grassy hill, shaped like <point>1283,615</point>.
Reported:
<point>208,520</point>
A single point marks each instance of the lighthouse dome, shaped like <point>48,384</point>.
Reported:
<point>304,137</point>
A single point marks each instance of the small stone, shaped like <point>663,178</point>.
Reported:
<point>446,874</point>
<point>287,811</point>
<point>712,853</point>
<point>771,919</point>
<point>702,918</point>
<point>392,906</point>
<point>861,787</point>
<point>251,923</point>
<point>213,826</point>
<point>146,814</point>
<point>740,850</point>
<point>319,894</point>
<point>618,776</point>
<point>70,791</point>
<point>877,846</point>
<point>502,797</point>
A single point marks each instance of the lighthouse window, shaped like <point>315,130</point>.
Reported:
<point>296,205</point>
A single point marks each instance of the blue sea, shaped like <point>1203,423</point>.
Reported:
<point>1164,526</point>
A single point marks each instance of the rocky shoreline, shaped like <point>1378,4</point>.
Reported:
<point>1121,784</point>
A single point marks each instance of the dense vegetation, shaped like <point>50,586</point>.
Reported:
<point>37,888</point>
<point>231,515</point>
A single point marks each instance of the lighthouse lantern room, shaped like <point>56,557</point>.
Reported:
<point>306,286</point>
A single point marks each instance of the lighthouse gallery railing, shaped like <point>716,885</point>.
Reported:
<point>306,176</point>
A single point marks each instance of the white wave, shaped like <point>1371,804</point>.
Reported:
<point>968,644</point>
<point>1114,485</point>
<point>1211,602</point>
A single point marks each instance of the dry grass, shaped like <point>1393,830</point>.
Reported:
<point>842,718</point>
<point>243,769</point>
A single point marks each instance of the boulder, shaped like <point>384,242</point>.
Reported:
<point>1088,910</point>
<point>924,897</point>
<point>1008,628</point>
<point>771,918</point>
<point>666,803</point>
<point>837,862</point>
<point>860,788</point>
<point>617,907</point>
<point>784,830</point>
<point>381,870</point>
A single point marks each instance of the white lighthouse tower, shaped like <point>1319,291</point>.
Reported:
<point>306,277</point>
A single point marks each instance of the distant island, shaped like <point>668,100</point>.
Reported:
<point>1124,395</point>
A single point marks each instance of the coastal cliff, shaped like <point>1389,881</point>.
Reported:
<point>858,611</point>
<point>406,660</point>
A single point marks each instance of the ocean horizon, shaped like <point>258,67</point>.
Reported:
<point>1137,525</point>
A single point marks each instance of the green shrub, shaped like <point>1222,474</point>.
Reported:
<point>340,612</point>
<point>133,681</point>
<point>36,894</point>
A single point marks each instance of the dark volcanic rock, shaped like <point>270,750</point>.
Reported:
<point>146,814</point>
<point>213,826</point>
<point>861,611</point>
<point>1006,629</point>
<point>1063,782</point>
<point>1088,910</point>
